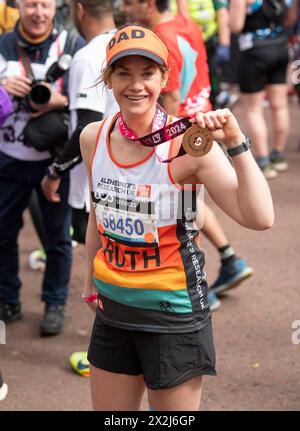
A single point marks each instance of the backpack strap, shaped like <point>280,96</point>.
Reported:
<point>71,42</point>
<point>23,56</point>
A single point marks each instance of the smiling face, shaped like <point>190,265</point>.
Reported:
<point>136,83</point>
<point>36,16</point>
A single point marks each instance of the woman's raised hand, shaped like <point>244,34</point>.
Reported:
<point>223,125</point>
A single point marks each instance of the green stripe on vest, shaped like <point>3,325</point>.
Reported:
<point>176,301</point>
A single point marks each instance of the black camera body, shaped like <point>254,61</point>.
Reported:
<point>40,93</point>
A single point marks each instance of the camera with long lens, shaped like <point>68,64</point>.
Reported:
<point>40,93</point>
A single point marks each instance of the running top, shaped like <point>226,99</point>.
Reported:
<point>149,269</point>
<point>188,61</point>
<point>263,14</point>
<point>203,12</point>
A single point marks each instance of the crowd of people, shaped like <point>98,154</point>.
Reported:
<point>112,73</point>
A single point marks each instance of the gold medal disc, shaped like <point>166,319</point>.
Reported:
<point>197,141</point>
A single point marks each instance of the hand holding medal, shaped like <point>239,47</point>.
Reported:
<point>222,126</point>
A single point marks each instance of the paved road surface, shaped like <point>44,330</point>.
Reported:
<point>258,365</point>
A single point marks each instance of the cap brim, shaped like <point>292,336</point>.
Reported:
<point>141,52</point>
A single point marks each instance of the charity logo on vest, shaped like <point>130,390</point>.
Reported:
<point>133,34</point>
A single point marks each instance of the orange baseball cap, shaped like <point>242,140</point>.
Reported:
<point>136,40</point>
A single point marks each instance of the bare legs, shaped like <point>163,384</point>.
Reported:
<point>113,392</point>
<point>256,124</point>
<point>185,397</point>
<point>277,96</point>
<point>212,228</point>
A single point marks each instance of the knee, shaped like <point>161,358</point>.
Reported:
<point>279,106</point>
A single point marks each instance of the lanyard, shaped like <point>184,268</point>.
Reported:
<point>160,132</point>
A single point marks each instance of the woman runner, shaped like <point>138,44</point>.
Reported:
<point>144,270</point>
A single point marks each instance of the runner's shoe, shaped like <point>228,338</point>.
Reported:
<point>214,302</point>
<point>269,172</point>
<point>3,389</point>
<point>53,320</point>
<point>225,100</point>
<point>10,312</point>
<point>37,260</point>
<point>278,161</point>
<point>231,275</point>
<point>266,167</point>
<point>80,363</point>
<point>74,243</point>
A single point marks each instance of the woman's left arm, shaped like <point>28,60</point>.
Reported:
<point>240,188</point>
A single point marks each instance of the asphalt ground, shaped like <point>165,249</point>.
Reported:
<point>258,365</point>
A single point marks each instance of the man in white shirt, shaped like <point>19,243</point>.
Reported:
<point>88,102</point>
<point>36,40</point>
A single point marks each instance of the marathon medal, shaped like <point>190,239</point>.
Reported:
<point>196,141</point>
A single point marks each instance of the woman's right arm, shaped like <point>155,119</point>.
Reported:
<point>237,15</point>
<point>292,14</point>
<point>93,242</point>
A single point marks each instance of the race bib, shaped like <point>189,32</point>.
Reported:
<point>129,217</point>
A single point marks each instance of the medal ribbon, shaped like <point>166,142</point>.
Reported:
<point>160,132</point>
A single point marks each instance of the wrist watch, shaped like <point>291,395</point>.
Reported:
<point>51,174</point>
<point>240,148</point>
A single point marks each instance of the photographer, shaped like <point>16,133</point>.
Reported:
<point>22,166</point>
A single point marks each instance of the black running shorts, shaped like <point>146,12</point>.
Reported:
<point>263,65</point>
<point>165,360</point>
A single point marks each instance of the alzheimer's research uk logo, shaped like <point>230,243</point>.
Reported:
<point>158,201</point>
<point>296,333</point>
<point>2,332</point>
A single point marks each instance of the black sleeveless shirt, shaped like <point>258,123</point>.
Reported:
<point>271,14</point>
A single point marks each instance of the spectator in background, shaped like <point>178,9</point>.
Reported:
<point>9,15</point>
<point>22,166</point>
<point>213,18</point>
